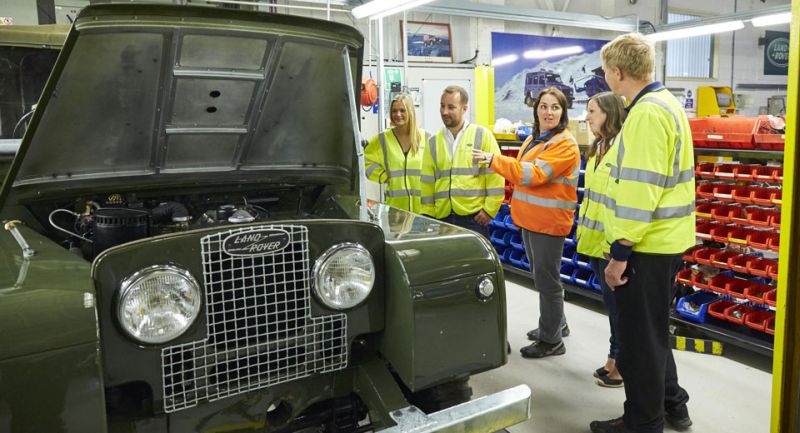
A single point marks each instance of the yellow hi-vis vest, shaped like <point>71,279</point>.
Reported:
<point>455,183</point>
<point>649,194</point>
<point>590,234</point>
<point>386,163</point>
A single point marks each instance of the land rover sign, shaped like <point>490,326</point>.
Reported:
<point>256,243</point>
<point>776,53</point>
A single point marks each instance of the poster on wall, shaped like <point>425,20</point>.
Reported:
<point>527,64</point>
<point>776,53</point>
<point>427,42</point>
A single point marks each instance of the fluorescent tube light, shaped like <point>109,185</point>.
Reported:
<point>771,20</point>
<point>377,9</point>
<point>688,32</point>
<point>504,60</point>
<point>553,52</point>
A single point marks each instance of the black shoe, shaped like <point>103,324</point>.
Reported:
<point>678,419</point>
<point>540,349</point>
<point>534,334</point>
<point>616,425</point>
<point>600,372</point>
<point>607,382</point>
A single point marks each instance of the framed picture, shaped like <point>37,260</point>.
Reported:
<point>427,42</point>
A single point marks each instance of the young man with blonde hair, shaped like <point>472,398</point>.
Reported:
<point>648,223</point>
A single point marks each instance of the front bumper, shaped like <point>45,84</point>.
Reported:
<point>484,415</point>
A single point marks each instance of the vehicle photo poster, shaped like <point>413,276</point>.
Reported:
<point>524,65</point>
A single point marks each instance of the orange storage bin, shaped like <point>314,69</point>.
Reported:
<point>688,255</point>
<point>742,194</point>
<point>762,196</point>
<point>775,221</point>
<point>685,277</point>
<point>721,212</point>
<point>739,236</point>
<point>702,209</point>
<point>739,262</point>
<point>774,242</point>
<point>705,189</point>
<point>725,171</point>
<point>756,291</point>
<point>758,239</point>
<point>771,297</point>
<point>720,258</point>
<point>717,309</point>
<point>777,175</point>
<point>700,281</point>
<point>759,267</point>
<point>763,173</point>
<point>770,326</point>
<point>703,231</point>
<point>737,313</point>
<point>777,197</point>
<point>736,132</point>
<point>765,138</point>
<point>739,214</point>
<point>744,172</point>
<point>758,217</point>
<point>772,272</point>
<point>757,319</point>
<point>721,233</point>
<point>723,191</point>
<point>719,283</point>
<point>736,287</point>
<point>704,170</point>
<point>703,255</point>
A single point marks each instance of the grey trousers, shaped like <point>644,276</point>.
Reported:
<point>544,254</point>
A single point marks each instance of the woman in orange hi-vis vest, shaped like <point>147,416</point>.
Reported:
<point>545,178</point>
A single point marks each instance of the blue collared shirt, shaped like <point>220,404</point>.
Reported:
<point>655,86</point>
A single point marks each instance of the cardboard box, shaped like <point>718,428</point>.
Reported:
<point>583,134</point>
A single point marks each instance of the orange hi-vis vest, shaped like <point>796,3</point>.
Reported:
<point>545,179</point>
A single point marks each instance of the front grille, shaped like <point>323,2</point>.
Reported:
<point>260,329</point>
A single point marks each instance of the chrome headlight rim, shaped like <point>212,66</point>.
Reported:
<point>132,280</point>
<point>485,282</point>
<point>323,258</point>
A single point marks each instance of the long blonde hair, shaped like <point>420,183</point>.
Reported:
<point>408,104</point>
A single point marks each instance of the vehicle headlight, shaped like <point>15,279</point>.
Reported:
<point>344,276</point>
<point>158,304</point>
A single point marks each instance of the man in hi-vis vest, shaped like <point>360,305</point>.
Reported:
<point>454,187</point>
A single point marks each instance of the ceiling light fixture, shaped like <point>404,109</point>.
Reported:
<point>771,20</point>
<point>377,9</point>
<point>687,32</point>
<point>553,52</point>
<point>504,60</point>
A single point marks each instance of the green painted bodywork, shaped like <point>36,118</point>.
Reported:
<point>42,36</point>
<point>423,323</point>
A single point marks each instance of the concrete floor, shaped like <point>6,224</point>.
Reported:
<point>728,393</point>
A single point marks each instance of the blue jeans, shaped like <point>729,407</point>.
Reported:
<point>467,222</point>
<point>599,268</point>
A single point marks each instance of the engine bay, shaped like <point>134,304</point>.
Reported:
<point>90,225</point>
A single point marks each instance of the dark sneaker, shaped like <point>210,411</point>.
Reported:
<point>540,349</point>
<point>607,382</point>
<point>678,419</point>
<point>600,372</point>
<point>534,334</point>
<point>616,425</point>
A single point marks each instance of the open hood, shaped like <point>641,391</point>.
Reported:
<point>173,94</point>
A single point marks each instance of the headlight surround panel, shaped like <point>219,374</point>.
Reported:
<point>158,304</point>
<point>343,276</point>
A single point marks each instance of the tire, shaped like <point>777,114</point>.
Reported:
<point>528,101</point>
<point>442,396</point>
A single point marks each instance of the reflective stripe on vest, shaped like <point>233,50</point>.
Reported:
<point>591,224</point>
<point>544,202</point>
<point>372,168</point>
<point>403,193</point>
<point>640,215</point>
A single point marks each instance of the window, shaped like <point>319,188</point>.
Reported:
<point>690,57</point>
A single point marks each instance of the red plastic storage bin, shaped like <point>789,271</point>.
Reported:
<point>763,173</point>
<point>720,258</point>
<point>720,233</point>
<point>772,272</point>
<point>744,172</point>
<point>736,287</point>
<point>735,132</point>
<point>739,214</point>
<point>777,175</point>
<point>777,197</point>
<point>758,319</point>
<point>688,255</point>
<point>700,281</point>
<point>738,263</point>
<point>776,219</point>
<point>756,291</point>
<point>685,277</point>
<point>703,255</point>
<point>723,191</point>
<point>732,316</point>
<point>705,189</point>
<point>765,138</point>
<point>770,326</point>
<point>742,193</point>
<point>702,209</point>
<point>721,212</point>
<point>771,297</point>
<point>758,239</point>
<point>761,267</point>
<point>739,236</point>
<point>762,196</point>
<point>774,242</point>
<point>725,171</point>
<point>703,231</point>
<point>704,170</point>
<point>719,284</point>
<point>717,309</point>
<point>758,217</point>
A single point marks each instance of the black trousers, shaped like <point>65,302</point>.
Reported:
<point>645,358</point>
<point>467,222</point>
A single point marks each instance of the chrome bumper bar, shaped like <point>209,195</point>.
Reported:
<point>484,415</point>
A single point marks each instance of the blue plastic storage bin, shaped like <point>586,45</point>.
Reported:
<point>507,238</point>
<point>580,277</point>
<point>594,283</point>
<point>498,219</point>
<point>566,272</point>
<point>581,261</point>
<point>509,223</point>
<point>506,255</point>
<point>500,249</point>
<point>516,242</point>
<point>702,299</point>
<point>525,263</point>
<point>567,253</point>
<point>496,236</point>
<point>516,258</point>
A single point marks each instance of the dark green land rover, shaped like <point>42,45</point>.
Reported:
<point>187,247</point>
